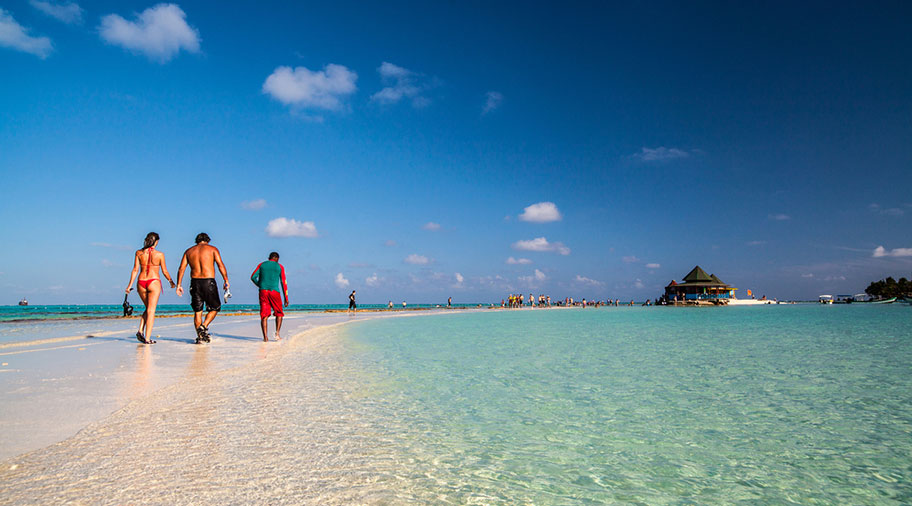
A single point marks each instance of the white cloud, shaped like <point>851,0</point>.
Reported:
<point>70,13</point>
<point>13,35</point>
<point>630,259</point>
<point>808,275</point>
<point>834,278</point>
<point>341,282</point>
<point>459,278</point>
<point>779,217</point>
<point>756,243</point>
<point>433,227</point>
<point>401,83</point>
<point>537,277</point>
<point>159,32</point>
<point>112,246</point>
<point>653,266</point>
<point>587,281</point>
<point>660,154</point>
<point>254,205</point>
<point>389,243</point>
<point>892,211</point>
<point>304,88</point>
<point>541,244</point>
<point>107,263</point>
<point>896,252</point>
<point>639,284</point>
<point>518,261</point>
<point>285,227</point>
<point>372,280</point>
<point>542,212</point>
<point>416,259</point>
<point>493,100</point>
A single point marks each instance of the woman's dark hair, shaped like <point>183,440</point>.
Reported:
<point>202,237</point>
<point>273,255</point>
<point>151,237</point>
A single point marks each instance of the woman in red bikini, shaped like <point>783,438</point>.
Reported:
<point>146,263</point>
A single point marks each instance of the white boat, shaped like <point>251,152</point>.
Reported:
<point>825,299</point>
<point>23,302</point>
<point>750,302</point>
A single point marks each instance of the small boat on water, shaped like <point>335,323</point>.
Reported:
<point>23,302</point>
<point>825,299</point>
<point>885,301</point>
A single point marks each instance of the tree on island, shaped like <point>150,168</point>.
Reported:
<point>889,288</point>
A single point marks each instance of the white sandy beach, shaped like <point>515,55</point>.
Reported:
<point>104,419</point>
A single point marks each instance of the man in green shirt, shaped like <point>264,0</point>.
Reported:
<point>269,277</point>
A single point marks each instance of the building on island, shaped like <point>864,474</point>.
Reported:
<point>697,287</point>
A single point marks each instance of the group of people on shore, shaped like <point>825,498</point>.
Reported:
<point>269,277</point>
<point>203,259</point>
<point>517,301</point>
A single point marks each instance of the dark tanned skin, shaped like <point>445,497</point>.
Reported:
<point>202,260</point>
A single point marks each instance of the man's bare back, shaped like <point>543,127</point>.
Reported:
<point>201,259</point>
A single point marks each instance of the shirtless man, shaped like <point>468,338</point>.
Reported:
<point>202,258</point>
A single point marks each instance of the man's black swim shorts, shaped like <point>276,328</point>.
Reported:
<point>204,290</point>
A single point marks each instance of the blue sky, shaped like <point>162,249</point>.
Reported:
<point>411,151</point>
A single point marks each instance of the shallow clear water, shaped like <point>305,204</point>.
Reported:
<point>759,405</point>
<point>651,405</point>
<point>82,311</point>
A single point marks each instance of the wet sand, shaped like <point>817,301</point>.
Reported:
<point>52,388</point>
<point>278,430</point>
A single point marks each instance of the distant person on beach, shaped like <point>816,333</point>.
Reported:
<point>269,277</point>
<point>202,259</point>
<point>389,304</point>
<point>449,301</point>
<point>352,305</point>
<point>147,262</point>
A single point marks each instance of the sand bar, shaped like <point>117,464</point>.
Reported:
<point>52,386</point>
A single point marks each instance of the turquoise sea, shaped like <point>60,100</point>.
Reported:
<point>802,404</point>
<point>85,311</point>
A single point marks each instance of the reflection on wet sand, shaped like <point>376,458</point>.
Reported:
<point>142,379</point>
<point>199,364</point>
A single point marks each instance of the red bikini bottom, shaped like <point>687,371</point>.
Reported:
<point>145,282</point>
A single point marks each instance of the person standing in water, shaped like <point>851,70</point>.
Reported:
<point>352,306</point>
<point>202,260</point>
<point>269,277</point>
<point>147,262</point>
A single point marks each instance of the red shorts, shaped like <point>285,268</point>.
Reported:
<point>270,300</point>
